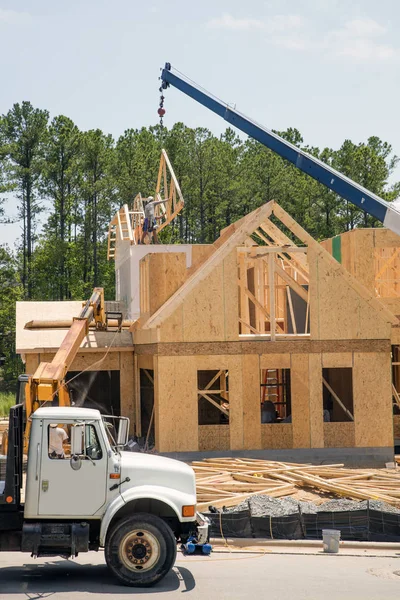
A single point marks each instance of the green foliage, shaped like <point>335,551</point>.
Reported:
<point>10,292</point>
<point>84,177</point>
<point>7,400</point>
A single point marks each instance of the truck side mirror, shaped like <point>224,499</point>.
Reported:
<point>123,432</point>
<point>77,439</point>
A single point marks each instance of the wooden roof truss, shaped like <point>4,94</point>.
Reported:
<point>127,223</point>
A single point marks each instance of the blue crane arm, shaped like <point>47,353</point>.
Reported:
<point>332,179</point>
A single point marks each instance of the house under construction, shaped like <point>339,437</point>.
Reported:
<point>253,344</point>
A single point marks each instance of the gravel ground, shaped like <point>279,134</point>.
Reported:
<point>260,506</point>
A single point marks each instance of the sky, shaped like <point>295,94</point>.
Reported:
<point>330,68</point>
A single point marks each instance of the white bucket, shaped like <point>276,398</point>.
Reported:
<point>331,539</point>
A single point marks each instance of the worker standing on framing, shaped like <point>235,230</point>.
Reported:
<point>150,222</point>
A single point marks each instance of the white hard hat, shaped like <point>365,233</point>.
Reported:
<point>150,198</point>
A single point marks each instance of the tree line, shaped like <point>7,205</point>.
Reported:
<point>65,185</point>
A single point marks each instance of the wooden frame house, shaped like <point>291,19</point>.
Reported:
<point>261,345</point>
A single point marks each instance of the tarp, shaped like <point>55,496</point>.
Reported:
<point>356,525</point>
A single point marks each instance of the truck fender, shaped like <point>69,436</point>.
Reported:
<point>173,498</point>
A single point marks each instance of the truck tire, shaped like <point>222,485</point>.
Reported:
<point>140,550</point>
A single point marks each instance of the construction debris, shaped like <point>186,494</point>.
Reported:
<point>226,482</point>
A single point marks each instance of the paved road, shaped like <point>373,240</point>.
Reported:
<point>219,577</point>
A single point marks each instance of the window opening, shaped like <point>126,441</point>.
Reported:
<point>213,397</point>
<point>337,389</point>
<point>276,404</point>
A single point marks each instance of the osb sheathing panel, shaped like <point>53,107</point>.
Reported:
<point>337,310</point>
<point>364,260</point>
<point>327,244</point>
<point>210,312</point>
<point>276,436</point>
<point>316,401</point>
<point>200,252</point>
<point>384,238</point>
<point>339,435</point>
<point>145,361</point>
<point>372,396</point>
<point>337,360</point>
<point>275,361</point>
<point>251,402</point>
<point>214,437</point>
<point>203,309</point>
<point>347,251</point>
<point>231,296</point>
<point>32,363</point>
<point>146,336</point>
<point>167,272</point>
<point>172,328</point>
<point>92,361</point>
<point>176,413</point>
<point>299,383</point>
<point>396,426</point>
<point>127,387</point>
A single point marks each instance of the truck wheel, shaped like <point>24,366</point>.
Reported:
<point>140,550</point>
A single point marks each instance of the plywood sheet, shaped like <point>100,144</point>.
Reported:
<point>299,377</point>
<point>32,363</point>
<point>327,244</point>
<point>231,296</point>
<point>339,435</point>
<point>316,401</point>
<point>171,330</point>
<point>166,273</point>
<point>364,261</point>
<point>337,360</point>
<point>251,402</point>
<point>372,393</point>
<point>200,253</point>
<point>236,403</point>
<point>214,437</point>
<point>277,436</point>
<point>342,312</point>
<point>275,361</point>
<point>384,238</point>
<point>127,384</point>
<point>203,309</point>
<point>145,361</point>
<point>90,361</point>
<point>176,413</point>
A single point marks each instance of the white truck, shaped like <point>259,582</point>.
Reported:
<point>89,494</point>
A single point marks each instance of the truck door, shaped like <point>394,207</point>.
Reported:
<point>64,491</point>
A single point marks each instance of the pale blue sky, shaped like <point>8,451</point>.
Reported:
<point>328,67</point>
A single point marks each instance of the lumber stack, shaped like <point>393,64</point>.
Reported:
<point>229,481</point>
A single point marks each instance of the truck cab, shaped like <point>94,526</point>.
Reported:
<point>84,492</point>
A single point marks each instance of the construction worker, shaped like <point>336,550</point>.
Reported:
<point>57,437</point>
<point>150,223</point>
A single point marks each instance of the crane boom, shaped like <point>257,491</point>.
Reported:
<point>340,184</point>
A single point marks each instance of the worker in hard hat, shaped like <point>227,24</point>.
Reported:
<point>150,222</point>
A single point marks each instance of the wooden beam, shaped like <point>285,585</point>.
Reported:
<point>289,296</point>
<point>207,397</point>
<point>336,397</point>
<point>271,283</point>
<point>300,291</point>
<point>267,249</point>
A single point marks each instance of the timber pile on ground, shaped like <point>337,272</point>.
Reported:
<point>229,481</point>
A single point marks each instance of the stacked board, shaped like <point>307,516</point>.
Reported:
<point>228,481</point>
